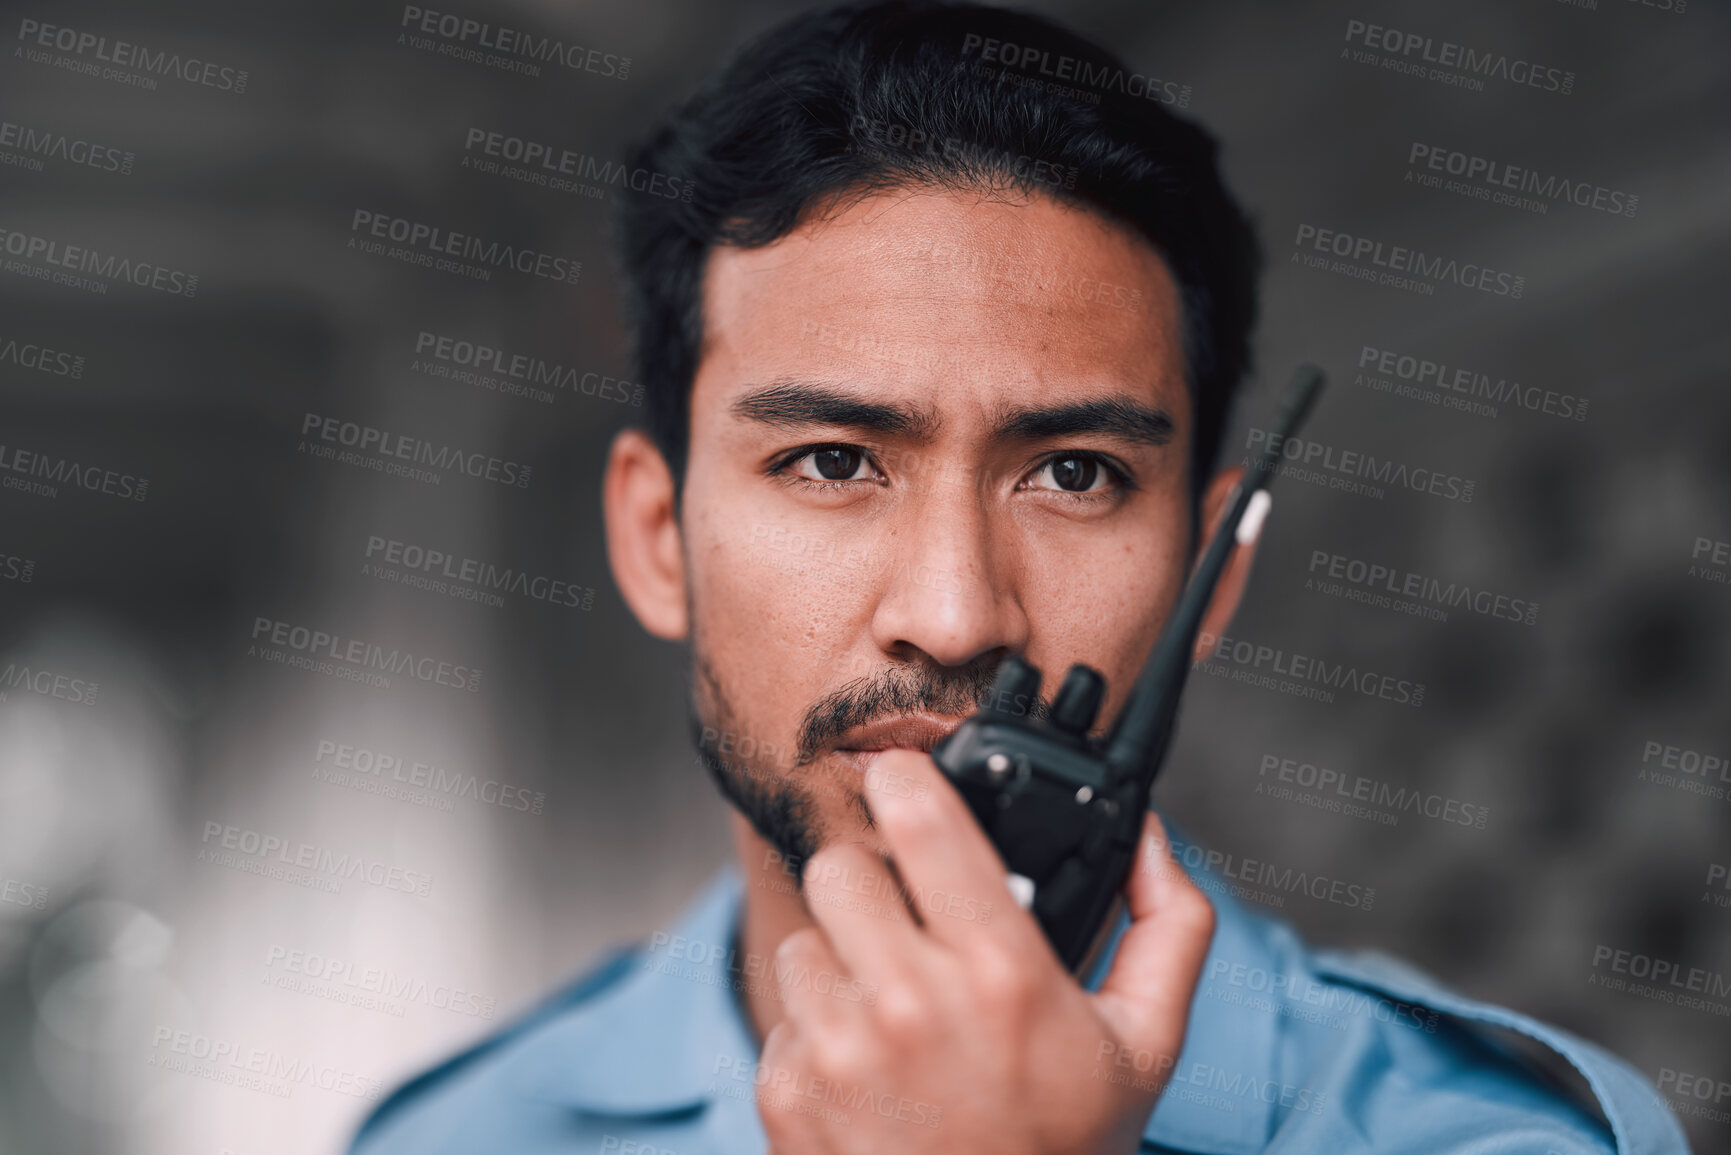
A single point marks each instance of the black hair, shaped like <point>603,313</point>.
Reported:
<point>868,96</point>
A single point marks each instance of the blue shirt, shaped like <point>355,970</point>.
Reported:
<point>1288,1050</point>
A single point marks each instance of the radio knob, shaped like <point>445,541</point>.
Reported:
<point>1078,699</point>
<point>1016,688</point>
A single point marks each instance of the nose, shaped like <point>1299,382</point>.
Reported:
<point>949,592</point>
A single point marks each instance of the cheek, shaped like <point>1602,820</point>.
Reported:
<point>769,621</point>
<point>1104,606</point>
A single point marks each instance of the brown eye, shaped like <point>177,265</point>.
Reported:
<point>831,463</point>
<point>1073,473</point>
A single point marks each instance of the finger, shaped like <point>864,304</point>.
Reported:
<point>810,982</point>
<point>783,1051</point>
<point>1147,993</point>
<point>951,870</point>
<point>853,895</point>
<point>779,1044</point>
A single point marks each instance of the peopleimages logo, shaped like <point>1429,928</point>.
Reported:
<point>465,577</point>
<point>1661,980</point>
<point>27,147</point>
<point>1193,1081</point>
<point>1386,586</point>
<point>1689,770</point>
<point>1710,561</point>
<point>370,987</point>
<point>1301,675</point>
<point>1718,878</point>
<point>870,133</point>
<point>879,892</point>
<point>545,164</point>
<point>1064,70</point>
<point>1012,269</point>
<point>1213,866</point>
<point>255,1068</point>
<point>1446,61</point>
<point>516,373</point>
<point>1454,387</point>
<point>833,559</point>
<point>1400,267</point>
<point>248,850</point>
<point>1226,980</point>
<point>445,251</point>
<point>381,772</point>
<point>697,961</point>
<point>513,50</point>
<point>783,1088</point>
<point>363,439</point>
<point>33,355</point>
<point>21,893</point>
<point>47,259</point>
<point>1348,789</point>
<point>310,645</point>
<point>1122,1065</point>
<point>42,473</point>
<point>1493,180</point>
<point>1350,465</point>
<point>1680,1087</point>
<point>125,55</point>
<point>48,683</point>
<point>16,569</point>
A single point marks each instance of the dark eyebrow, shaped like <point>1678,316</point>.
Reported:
<point>789,402</point>
<point>1113,416</point>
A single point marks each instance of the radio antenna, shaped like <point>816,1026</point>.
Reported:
<point>1136,744</point>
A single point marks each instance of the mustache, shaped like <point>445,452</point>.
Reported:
<point>896,691</point>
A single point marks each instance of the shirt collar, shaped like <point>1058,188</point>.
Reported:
<point>1222,1094</point>
<point>670,1036</point>
<point>651,1043</point>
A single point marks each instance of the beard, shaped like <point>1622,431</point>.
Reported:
<point>777,793</point>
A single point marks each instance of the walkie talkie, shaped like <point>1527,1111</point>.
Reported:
<point>1064,810</point>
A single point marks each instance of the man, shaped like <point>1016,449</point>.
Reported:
<point>938,363</point>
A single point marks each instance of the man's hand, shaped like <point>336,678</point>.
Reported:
<point>978,1040</point>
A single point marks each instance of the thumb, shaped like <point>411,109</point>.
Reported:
<point>1146,995</point>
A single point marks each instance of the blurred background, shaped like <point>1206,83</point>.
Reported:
<point>240,897</point>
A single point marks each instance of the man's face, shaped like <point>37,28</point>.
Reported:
<point>931,430</point>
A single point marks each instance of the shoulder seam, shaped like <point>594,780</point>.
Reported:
<point>590,983</point>
<point>1345,966</point>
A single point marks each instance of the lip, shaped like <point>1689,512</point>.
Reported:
<point>908,732</point>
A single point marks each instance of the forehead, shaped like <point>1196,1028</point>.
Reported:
<point>942,298</point>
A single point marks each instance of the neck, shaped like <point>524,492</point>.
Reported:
<point>772,910</point>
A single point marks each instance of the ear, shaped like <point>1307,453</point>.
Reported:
<point>643,541</point>
<point>1235,576</point>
